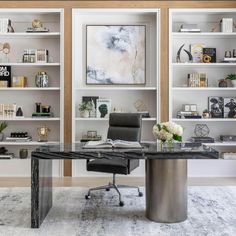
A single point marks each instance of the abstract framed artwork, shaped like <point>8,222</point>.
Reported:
<point>115,54</point>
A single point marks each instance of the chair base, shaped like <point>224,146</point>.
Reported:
<point>115,186</point>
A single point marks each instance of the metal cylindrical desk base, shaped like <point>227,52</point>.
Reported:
<point>166,190</point>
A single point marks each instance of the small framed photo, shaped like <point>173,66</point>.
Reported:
<point>103,108</point>
<point>216,106</point>
<point>41,56</point>
<point>190,107</point>
<point>229,107</point>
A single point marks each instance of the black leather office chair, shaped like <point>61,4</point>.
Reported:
<point>123,126</point>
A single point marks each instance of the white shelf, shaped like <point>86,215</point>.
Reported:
<point>30,119</point>
<point>31,143</point>
<point>225,144</point>
<point>106,119</point>
<point>30,35</point>
<point>29,64</point>
<point>203,64</point>
<point>203,35</point>
<point>203,88</point>
<point>30,89</point>
<point>204,120</point>
<point>115,88</point>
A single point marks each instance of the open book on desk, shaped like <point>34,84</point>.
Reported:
<point>109,143</point>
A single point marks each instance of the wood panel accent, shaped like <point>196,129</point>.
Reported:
<point>164,78</point>
<point>67,84</point>
<point>68,5</point>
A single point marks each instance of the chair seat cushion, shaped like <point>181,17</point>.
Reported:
<point>108,166</point>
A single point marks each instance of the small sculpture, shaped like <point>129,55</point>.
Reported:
<point>140,105</point>
<point>43,133</point>
<point>190,57</point>
<point>201,130</point>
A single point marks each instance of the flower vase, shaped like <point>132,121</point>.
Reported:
<point>167,145</point>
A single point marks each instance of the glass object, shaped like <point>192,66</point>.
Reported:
<point>42,79</point>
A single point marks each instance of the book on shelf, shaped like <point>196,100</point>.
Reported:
<point>5,76</point>
<point>109,143</point>
<point>202,140</point>
<point>196,50</point>
<point>226,25</point>
<point>209,55</point>
<point>189,28</point>
<point>4,22</point>
<point>14,139</point>
<point>229,59</point>
<point>7,156</point>
<point>197,80</point>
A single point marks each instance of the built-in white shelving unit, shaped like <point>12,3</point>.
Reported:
<point>122,97</point>
<point>180,94</point>
<point>53,41</point>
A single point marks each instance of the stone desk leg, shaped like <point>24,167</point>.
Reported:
<point>41,190</point>
<point>166,190</point>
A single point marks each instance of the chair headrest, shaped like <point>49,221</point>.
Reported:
<point>125,119</point>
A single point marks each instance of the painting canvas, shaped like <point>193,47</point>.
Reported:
<point>230,107</point>
<point>216,106</point>
<point>115,54</point>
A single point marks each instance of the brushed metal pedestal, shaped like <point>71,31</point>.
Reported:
<point>166,190</point>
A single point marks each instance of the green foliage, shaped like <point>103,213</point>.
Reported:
<point>3,126</point>
<point>177,137</point>
<point>231,77</point>
<point>86,106</point>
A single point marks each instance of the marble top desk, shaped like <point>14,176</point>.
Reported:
<point>166,176</point>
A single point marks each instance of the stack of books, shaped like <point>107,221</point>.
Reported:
<point>4,22</point>
<point>188,115</point>
<point>7,156</point>
<point>13,139</point>
<point>226,25</point>
<point>189,28</point>
<point>202,140</point>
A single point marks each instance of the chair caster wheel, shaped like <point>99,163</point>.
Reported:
<point>121,203</point>
<point>87,197</point>
<point>140,194</point>
<point>107,189</point>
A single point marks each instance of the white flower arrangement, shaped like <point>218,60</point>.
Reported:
<point>168,132</point>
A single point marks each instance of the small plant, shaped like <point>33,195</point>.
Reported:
<point>231,77</point>
<point>3,126</point>
<point>86,106</point>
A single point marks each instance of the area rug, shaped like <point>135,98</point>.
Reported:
<point>212,211</point>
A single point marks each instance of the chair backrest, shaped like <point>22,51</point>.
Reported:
<point>125,126</point>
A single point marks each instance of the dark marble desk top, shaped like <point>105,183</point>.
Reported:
<point>149,151</point>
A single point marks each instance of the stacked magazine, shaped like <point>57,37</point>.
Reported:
<point>112,144</point>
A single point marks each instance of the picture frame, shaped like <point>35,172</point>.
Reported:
<point>103,108</point>
<point>216,106</point>
<point>230,107</point>
<point>120,57</point>
<point>41,56</point>
<point>90,99</point>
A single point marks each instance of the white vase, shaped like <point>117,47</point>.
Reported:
<point>84,114</point>
<point>233,83</point>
